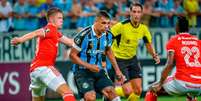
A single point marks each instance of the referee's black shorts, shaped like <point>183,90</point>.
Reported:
<point>130,68</point>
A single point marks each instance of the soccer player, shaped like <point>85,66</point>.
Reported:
<point>42,72</point>
<point>90,44</point>
<point>185,50</point>
<point>127,34</point>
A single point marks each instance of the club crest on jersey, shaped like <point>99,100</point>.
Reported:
<point>127,41</point>
<point>47,30</point>
<point>77,40</point>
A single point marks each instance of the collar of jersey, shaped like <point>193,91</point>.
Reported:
<point>184,33</point>
<point>133,25</point>
<point>94,33</point>
<point>50,24</point>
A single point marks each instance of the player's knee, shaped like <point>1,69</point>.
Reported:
<point>63,89</point>
<point>90,96</point>
<point>127,91</point>
<point>110,91</point>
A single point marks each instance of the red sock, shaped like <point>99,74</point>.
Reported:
<point>69,97</point>
<point>150,96</point>
<point>189,98</point>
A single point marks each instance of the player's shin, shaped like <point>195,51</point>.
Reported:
<point>133,97</point>
<point>119,91</point>
<point>150,96</point>
<point>68,97</point>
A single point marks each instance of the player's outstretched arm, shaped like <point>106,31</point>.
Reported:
<point>28,36</point>
<point>67,41</point>
<point>168,68</point>
<point>153,53</point>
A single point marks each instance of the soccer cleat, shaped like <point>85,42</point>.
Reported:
<point>150,96</point>
<point>189,98</point>
<point>194,99</point>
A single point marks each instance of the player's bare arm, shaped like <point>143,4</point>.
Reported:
<point>28,36</point>
<point>76,59</point>
<point>110,55</point>
<point>153,53</point>
<point>67,41</point>
<point>168,68</point>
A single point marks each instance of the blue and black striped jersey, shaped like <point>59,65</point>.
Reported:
<point>91,48</point>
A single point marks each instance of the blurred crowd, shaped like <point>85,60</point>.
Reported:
<point>30,14</point>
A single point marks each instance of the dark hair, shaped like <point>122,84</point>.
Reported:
<point>52,11</point>
<point>136,4</point>
<point>182,24</point>
<point>103,13</point>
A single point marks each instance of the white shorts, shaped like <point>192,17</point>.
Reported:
<point>43,77</point>
<point>178,87</point>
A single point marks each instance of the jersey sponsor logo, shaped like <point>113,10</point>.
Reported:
<point>187,38</point>
<point>95,51</point>
<point>91,39</point>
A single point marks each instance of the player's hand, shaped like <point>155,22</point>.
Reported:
<point>104,64</point>
<point>15,41</point>
<point>120,77</point>
<point>155,87</point>
<point>93,68</point>
<point>156,58</point>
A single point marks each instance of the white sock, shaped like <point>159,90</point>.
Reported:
<point>116,99</point>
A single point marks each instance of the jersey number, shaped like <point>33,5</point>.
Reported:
<point>191,52</point>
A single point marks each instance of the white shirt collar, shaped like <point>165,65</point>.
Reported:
<point>94,33</point>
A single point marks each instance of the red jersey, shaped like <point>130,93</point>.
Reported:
<point>46,47</point>
<point>187,51</point>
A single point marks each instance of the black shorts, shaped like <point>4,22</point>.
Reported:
<point>111,74</point>
<point>130,68</point>
<point>90,81</point>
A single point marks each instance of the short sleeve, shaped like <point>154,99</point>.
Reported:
<point>147,35</point>
<point>116,29</point>
<point>49,30</point>
<point>109,40</point>
<point>170,46</point>
<point>60,34</point>
<point>199,43</point>
<point>79,40</point>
